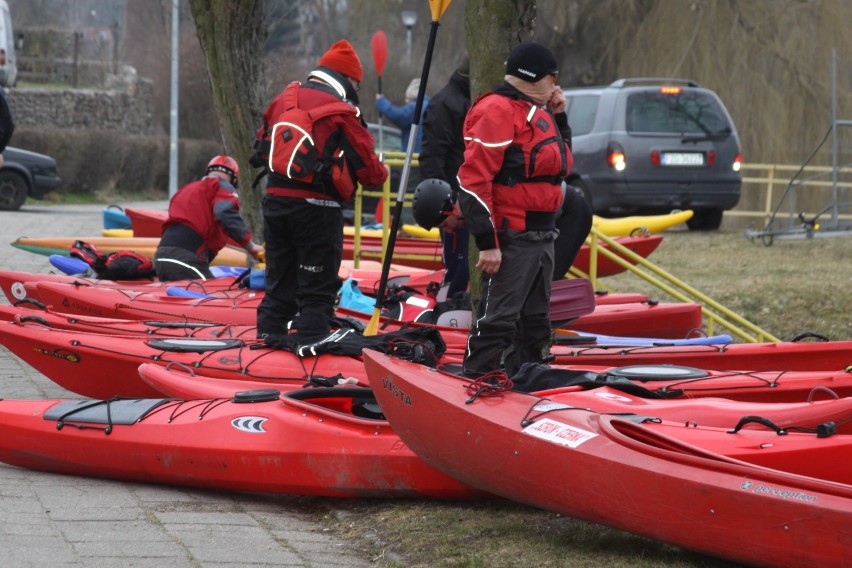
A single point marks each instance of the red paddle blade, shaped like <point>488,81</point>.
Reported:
<point>570,299</point>
<point>379,43</point>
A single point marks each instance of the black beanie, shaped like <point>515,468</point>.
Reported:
<point>531,62</point>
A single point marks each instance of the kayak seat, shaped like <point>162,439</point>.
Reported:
<point>122,411</point>
<point>357,401</point>
<point>455,318</point>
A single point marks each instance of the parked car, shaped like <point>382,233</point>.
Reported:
<point>25,174</point>
<point>391,137</point>
<point>655,145</point>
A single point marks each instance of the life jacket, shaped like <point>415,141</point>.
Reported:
<point>192,206</point>
<point>287,146</point>
<point>120,265</point>
<point>525,192</point>
<point>522,162</point>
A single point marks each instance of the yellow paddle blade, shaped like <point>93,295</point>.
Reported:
<point>373,327</point>
<point>438,8</point>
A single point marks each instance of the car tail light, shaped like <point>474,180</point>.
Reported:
<point>711,158</point>
<point>617,160</point>
<point>3,59</point>
<point>655,157</point>
<point>738,162</point>
<point>670,90</point>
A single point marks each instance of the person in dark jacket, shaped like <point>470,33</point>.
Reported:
<point>7,123</point>
<point>516,157</point>
<point>202,216</point>
<point>441,155</point>
<point>304,221</point>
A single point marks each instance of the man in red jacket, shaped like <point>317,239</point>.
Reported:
<point>517,152</point>
<point>304,220</point>
<point>202,215</point>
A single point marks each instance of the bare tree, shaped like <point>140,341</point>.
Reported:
<point>232,33</point>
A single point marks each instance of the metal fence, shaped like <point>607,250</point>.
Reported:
<point>786,191</point>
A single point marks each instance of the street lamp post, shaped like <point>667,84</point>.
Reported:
<point>409,18</point>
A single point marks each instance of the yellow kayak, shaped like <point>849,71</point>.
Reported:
<point>640,224</point>
<point>418,231</point>
<point>617,227</point>
<point>349,231</point>
<point>117,233</point>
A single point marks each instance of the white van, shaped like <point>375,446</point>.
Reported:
<point>8,61</point>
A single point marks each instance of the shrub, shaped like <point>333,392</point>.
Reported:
<point>104,163</point>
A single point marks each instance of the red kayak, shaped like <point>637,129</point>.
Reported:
<point>749,494</point>
<point>18,286</point>
<point>663,320</point>
<point>104,366</point>
<point>329,442</point>
<point>787,355</point>
<point>33,314</point>
<point>421,253</point>
<point>792,397</point>
<point>426,253</point>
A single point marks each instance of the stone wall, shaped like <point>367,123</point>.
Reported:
<point>125,105</point>
<point>102,100</point>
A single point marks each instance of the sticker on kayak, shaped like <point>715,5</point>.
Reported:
<point>613,396</point>
<point>559,433</point>
<point>63,354</point>
<point>250,424</point>
<point>18,291</point>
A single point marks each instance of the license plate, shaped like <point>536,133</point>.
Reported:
<point>682,159</point>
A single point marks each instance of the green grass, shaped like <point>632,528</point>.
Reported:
<point>788,288</point>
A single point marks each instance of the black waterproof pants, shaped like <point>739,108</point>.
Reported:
<point>304,248</point>
<point>574,224</point>
<point>175,263</point>
<point>514,310</point>
<point>455,260</point>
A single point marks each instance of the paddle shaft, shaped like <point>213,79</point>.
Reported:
<point>406,168</point>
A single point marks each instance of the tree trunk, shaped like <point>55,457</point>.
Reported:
<point>232,34</point>
<point>492,29</point>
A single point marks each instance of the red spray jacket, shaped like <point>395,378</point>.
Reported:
<point>211,208</point>
<point>516,156</point>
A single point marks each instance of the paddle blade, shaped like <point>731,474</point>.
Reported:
<point>570,299</point>
<point>438,8</point>
<point>373,327</point>
<point>379,43</point>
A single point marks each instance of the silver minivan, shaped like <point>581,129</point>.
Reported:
<point>8,61</point>
<point>654,145</point>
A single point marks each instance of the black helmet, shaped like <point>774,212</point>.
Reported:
<point>433,201</point>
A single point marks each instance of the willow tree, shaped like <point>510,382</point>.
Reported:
<point>232,34</point>
<point>492,28</point>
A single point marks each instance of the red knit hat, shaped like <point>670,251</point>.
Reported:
<point>342,58</point>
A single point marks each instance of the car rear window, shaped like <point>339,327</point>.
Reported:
<point>685,111</point>
<point>582,110</point>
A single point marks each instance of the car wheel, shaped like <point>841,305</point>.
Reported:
<point>705,220</point>
<point>13,191</point>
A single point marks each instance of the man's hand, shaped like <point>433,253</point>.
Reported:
<point>489,260</point>
<point>454,220</point>
<point>557,102</point>
<point>451,224</point>
<point>257,251</point>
